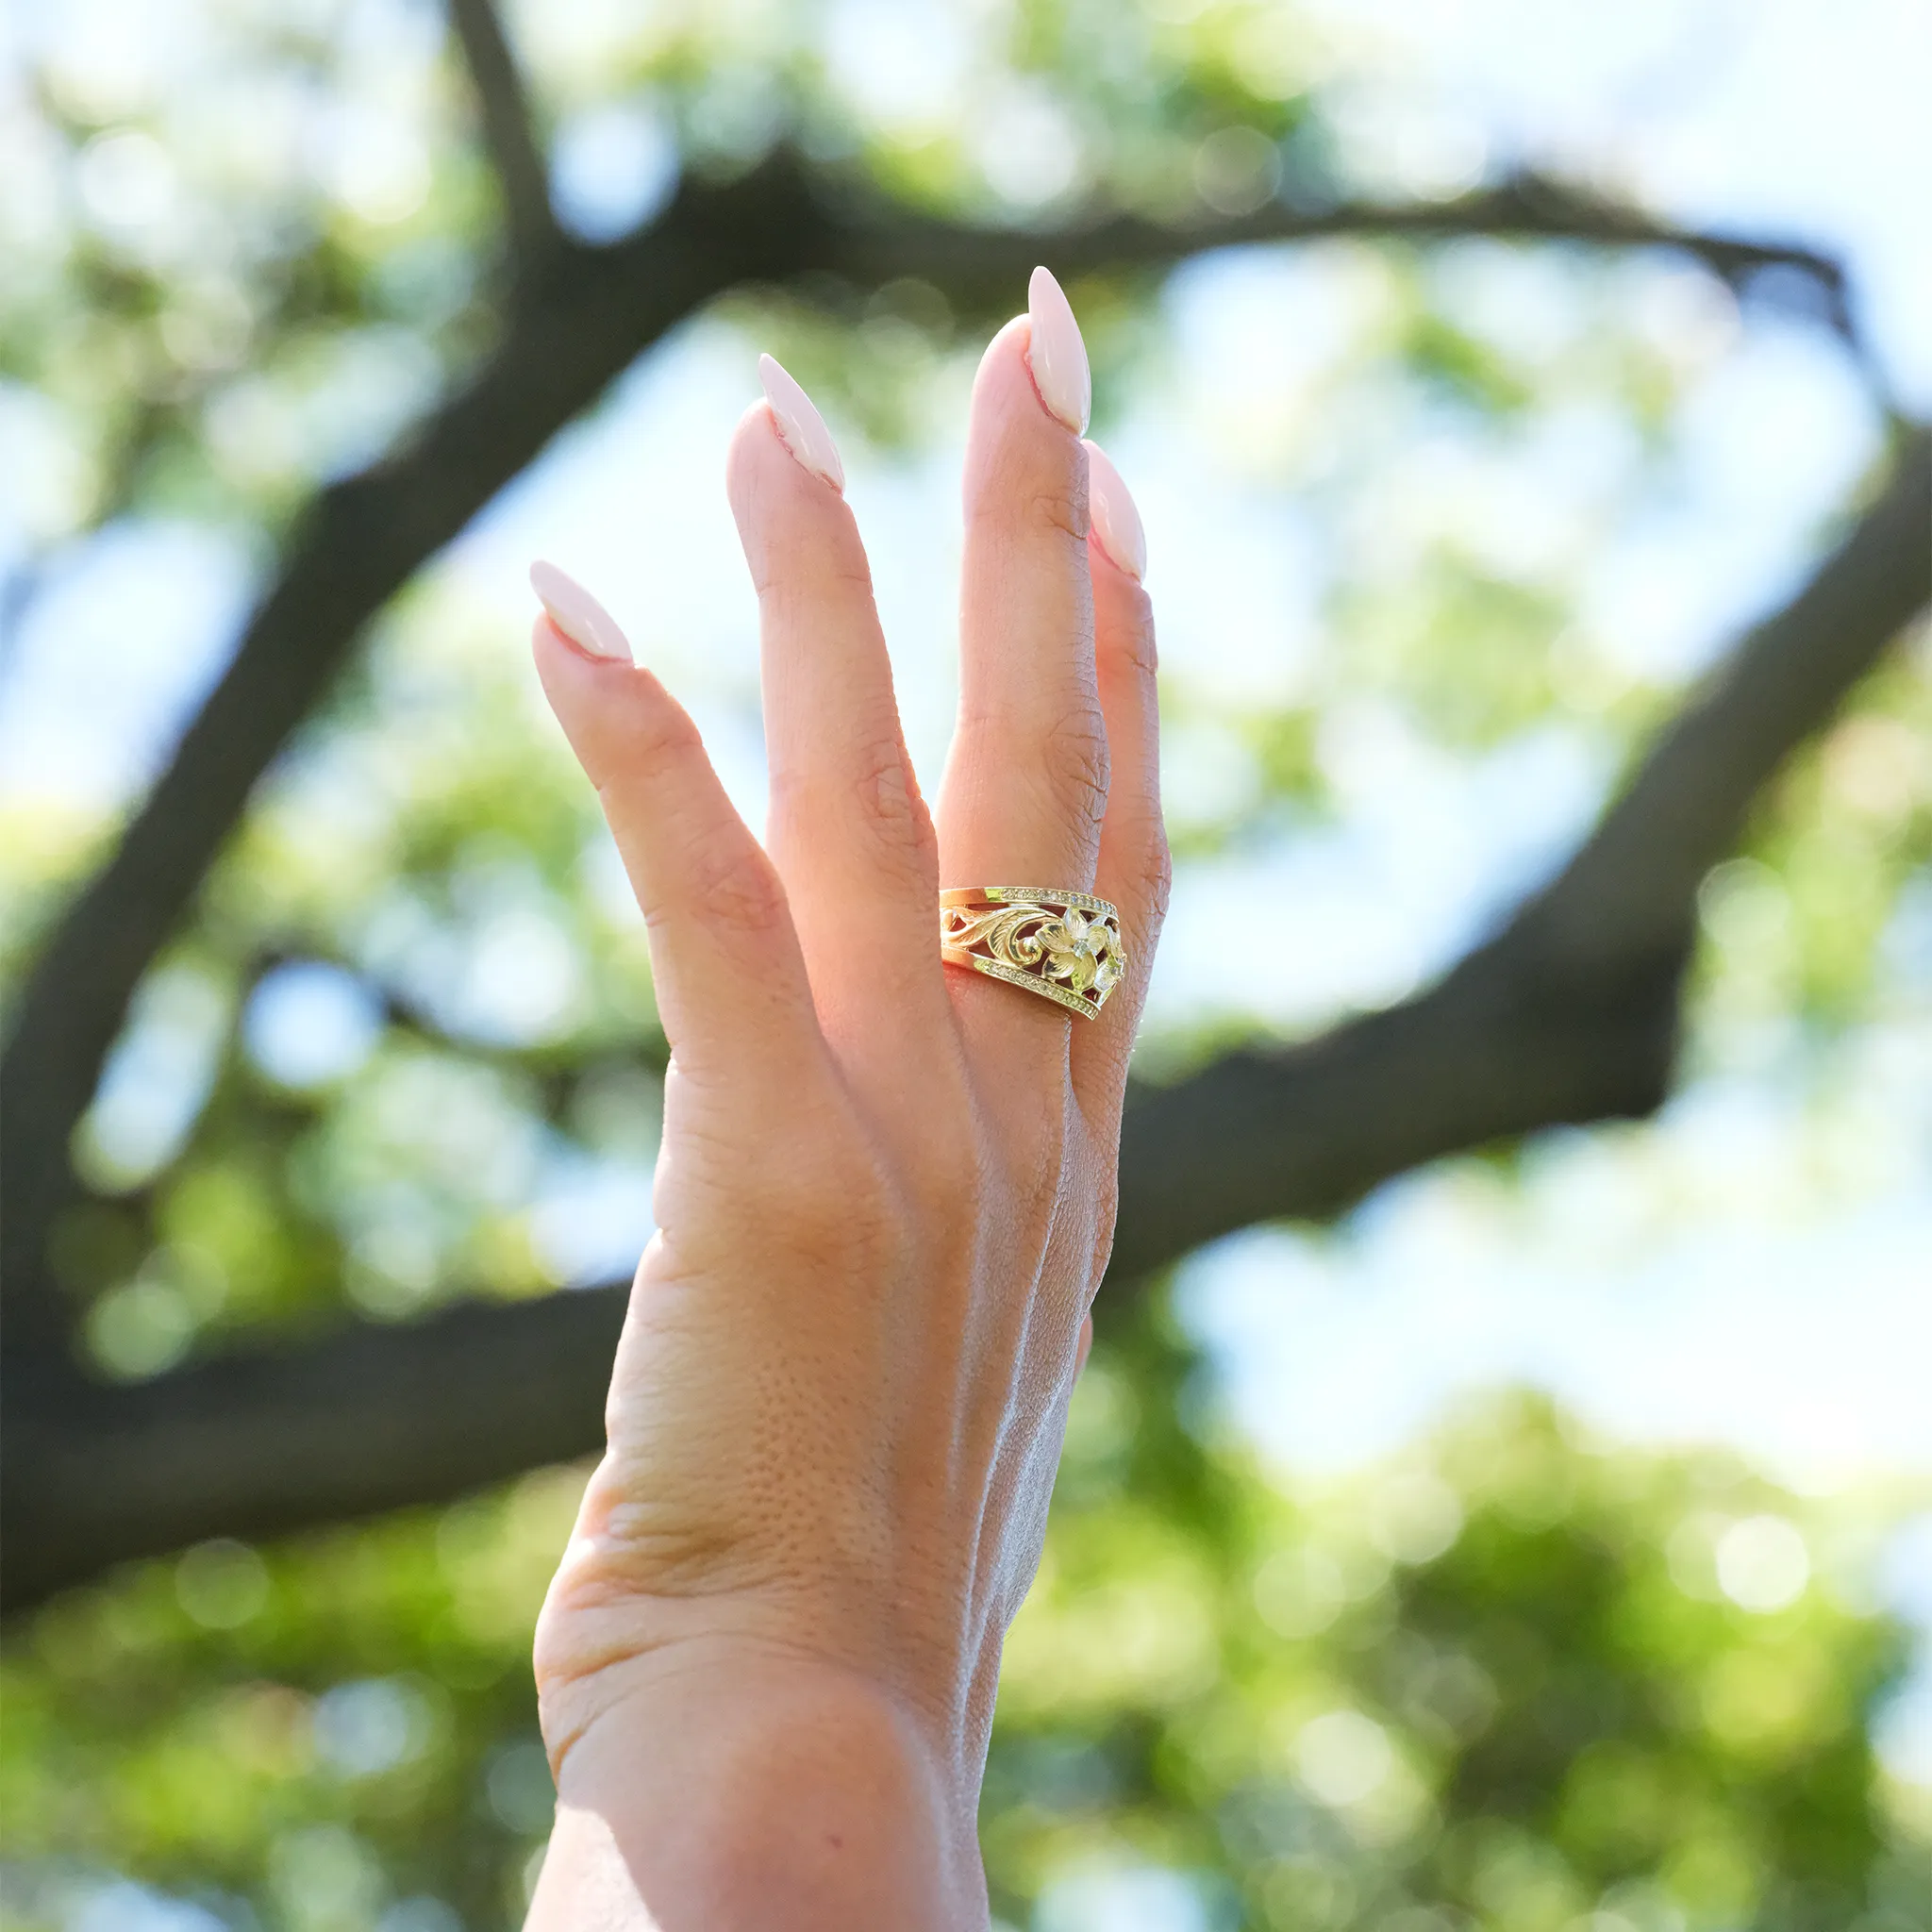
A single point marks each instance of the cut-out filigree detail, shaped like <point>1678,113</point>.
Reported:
<point>1065,946</point>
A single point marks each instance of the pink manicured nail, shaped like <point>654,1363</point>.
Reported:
<point>1115,521</point>
<point>578,615</point>
<point>1058,354</point>
<point>800,426</point>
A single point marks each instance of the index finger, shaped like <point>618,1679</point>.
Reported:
<point>730,979</point>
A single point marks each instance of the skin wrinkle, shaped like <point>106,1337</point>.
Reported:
<point>1015,1422</point>
<point>781,593</point>
<point>1076,761</point>
<point>739,891</point>
<point>1064,513</point>
<point>843,1385</point>
<point>889,807</point>
<point>1066,756</point>
<point>894,802</point>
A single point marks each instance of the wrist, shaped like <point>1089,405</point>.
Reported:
<point>728,1786</point>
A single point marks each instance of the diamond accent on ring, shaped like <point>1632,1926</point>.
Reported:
<point>1064,946</point>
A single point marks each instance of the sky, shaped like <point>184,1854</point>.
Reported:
<point>1712,1322</point>
<point>1707,1278</point>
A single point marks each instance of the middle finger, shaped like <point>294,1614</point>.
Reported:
<point>1026,785</point>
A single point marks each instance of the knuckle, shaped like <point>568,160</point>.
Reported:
<point>736,887</point>
<point>850,571</point>
<point>1133,644</point>
<point>872,792</point>
<point>792,593</point>
<point>835,1212</point>
<point>891,810</point>
<point>664,736</point>
<point>791,576</point>
<point>1076,766</point>
<point>1057,512</point>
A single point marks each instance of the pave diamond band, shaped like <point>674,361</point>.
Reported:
<point>1064,946</point>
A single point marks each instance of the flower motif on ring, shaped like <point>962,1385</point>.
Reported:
<point>1071,952</point>
<point>1080,951</point>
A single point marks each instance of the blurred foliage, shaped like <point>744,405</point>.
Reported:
<point>406,1051</point>
<point>1840,867</point>
<point>1505,1681</point>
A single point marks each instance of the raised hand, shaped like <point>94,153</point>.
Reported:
<point>768,1661</point>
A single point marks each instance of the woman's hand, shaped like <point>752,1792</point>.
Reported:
<point>768,1661</point>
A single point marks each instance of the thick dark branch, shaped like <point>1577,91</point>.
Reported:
<point>977,266</point>
<point>509,131</point>
<point>578,323</point>
<point>1569,1014</point>
<point>254,1444</point>
<point>1633,882</point>
<point>573,329</point>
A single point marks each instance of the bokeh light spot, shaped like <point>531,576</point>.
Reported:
<point>1762,1563</point>
<point>365,1729</point>
<point>1342,1758</point>
<point>519,1788</point>
<point>221,1584</point>
<point>611,168</point>
<point>309,1023</point>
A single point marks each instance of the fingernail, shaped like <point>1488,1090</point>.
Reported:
<point>578,615</point>
<point>800,426</point>
<point>1114,520</point>
<point>1058,354</point>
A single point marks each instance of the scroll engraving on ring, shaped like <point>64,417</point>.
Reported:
<point>1065,946</point>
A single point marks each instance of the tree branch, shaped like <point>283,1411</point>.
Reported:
<point>581,317</point>
<point>1569,1014</point>
<point>575,328</point>
<point>976,265</point>
<point>258,1443</point>
<point>504,110</point>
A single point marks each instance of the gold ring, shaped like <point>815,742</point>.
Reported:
<point>1065,946</point>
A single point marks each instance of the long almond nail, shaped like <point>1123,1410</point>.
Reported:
<point>1058,354</point>
<point>578,615</point>
<point>1115,521</point>
<point>800,427</point>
